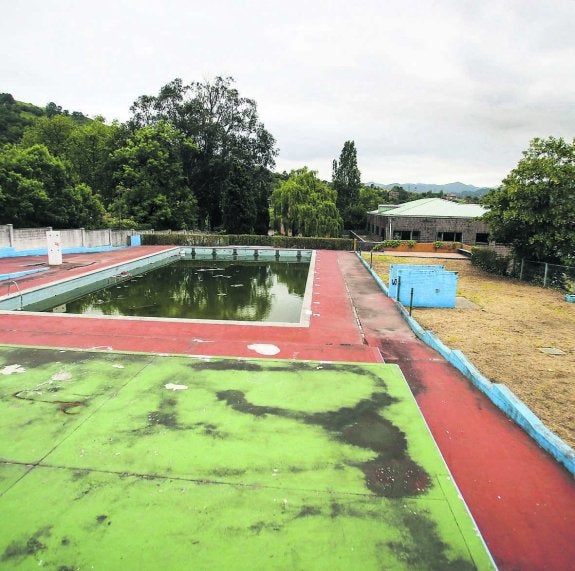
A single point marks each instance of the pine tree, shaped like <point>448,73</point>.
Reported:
<point>346,180</point>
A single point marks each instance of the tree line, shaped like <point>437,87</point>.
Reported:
<point>191,157</point>
<point>197,156</point>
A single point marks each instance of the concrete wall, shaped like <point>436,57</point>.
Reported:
<point>428,228</point>
<point>71,238</point>
<point>32,241</point>
<point>23,238</point>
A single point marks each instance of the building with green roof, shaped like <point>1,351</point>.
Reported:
<point>430,220</point>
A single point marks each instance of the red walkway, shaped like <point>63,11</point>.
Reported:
<point>522,501</point>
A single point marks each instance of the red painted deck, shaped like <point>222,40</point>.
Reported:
<point>522,500</point>
<point>333,333</point>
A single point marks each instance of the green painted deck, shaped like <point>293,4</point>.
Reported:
<point>142,461</point>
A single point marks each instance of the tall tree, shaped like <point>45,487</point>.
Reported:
<point>90,150</point>
<point>38,189</point>
<point>346,180</point>
<point>150,180</point>
<point>238,202</point>
<point>303,204</point>
<point>262,185</point>
<point>54,132</point>
<point>534,208</point>
<point>227,132</point>
<point>370,197</point>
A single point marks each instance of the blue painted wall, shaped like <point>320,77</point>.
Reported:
<point>12,253</point>
<point>20,274</point>
<point>394,270</point>
<point>432,286</point>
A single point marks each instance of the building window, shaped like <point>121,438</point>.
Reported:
<point>449,236</point>
<point>406,234</point>
<point>481,238</point>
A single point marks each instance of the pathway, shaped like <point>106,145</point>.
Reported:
<point>522,501</point>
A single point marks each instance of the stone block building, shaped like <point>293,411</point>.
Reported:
<point>430,220</point>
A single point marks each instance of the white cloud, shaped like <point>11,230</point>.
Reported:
<point>429,92</point>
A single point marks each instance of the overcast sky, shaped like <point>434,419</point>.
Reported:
<point>430,91</point>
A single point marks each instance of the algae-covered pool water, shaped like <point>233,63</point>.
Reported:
<point>268,291</point>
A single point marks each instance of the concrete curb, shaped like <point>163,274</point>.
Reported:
<point>20,274</point>
<point>500,395</point>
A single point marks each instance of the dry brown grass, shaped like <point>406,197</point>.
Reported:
<point>503,337</point>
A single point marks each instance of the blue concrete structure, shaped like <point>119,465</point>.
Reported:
<point>14,275</point>
<point>500,395</point>
<point>394,270</point>
<point>433,286</point>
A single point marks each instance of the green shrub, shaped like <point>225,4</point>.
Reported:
<point>438,245</point>
<point>411,243</point>
<point>387,244</point>
<point>310,243</point>
<point>489,260</point>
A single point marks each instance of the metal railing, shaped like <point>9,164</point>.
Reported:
<point>18,290</point>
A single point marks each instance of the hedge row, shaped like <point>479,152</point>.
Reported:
<point>490,261</point>
<point>177,239</point>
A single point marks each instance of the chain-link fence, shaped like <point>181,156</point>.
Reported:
<point>543,274</point>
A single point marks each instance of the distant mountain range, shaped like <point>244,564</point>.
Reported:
<point>458,188</point>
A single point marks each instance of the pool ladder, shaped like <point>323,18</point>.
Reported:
<point>19,292</point>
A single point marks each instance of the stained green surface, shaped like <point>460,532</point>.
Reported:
<point>255,465</point>
<point>199,289</point>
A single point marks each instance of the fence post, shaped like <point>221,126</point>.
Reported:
<point>545,275</point>
<point>521,270</point>
<point>371,259</point>
<point>398,286</point>
<point>410,302</point>
<point>10,235</point>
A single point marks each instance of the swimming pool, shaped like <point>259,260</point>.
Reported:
<point>228,285</point>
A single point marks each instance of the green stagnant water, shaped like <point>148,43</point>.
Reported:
<point>203,289</point>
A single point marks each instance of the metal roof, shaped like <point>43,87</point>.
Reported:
<point>435,208</point>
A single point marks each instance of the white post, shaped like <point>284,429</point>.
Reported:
<point>11,235</point>
<point>54,248</point>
